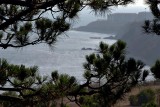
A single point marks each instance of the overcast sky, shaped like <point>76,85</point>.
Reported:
<point>139,2</point>
<point>87,16</point>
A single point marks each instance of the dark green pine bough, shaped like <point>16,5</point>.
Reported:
<point>109,75</point>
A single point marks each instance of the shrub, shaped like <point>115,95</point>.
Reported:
<point>89,101</point>
<point>151,104</point>
<point>133,100</point>
<point>145,97</point>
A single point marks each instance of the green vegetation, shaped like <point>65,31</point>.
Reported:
<point>24,22</point>
<point>109,75</point>
<point>151,104</point>
<point>24,86</point>
<point>145,97</point>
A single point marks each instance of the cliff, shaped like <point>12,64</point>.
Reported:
<point>128,27</point>
<point>141,45</point>
<point>115,23</point>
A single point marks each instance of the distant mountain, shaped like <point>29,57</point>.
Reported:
<point>128,27</point>
<point>115,23</point>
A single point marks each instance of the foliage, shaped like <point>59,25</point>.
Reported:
<point>24,86</point>
<point>155,69</point>
<point>109,75</point>
<point>24,22</point>
<point>146,98</point>
<point>133,100</point>
<point>151,104</point>
<point>89,101</point>
<point>153,26</point>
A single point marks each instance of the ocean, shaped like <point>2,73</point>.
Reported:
<point>67,55</point>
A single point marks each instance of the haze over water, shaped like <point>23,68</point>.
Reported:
<point>66,56</point>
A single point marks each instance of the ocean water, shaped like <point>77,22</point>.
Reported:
<point>66,56</point>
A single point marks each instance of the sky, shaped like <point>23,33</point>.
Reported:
<point>86,16</point>
<point>138,6</point>
<point>139,2</point>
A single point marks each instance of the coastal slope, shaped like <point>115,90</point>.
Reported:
<point>128,27</point>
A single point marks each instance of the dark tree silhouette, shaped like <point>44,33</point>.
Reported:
<point>153,26</point>
<point>25,22</point>
<point>109,76</point>
<point>156,69</point>
<point>22,87</point>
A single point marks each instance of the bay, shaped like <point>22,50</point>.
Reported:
<point>66,56</point>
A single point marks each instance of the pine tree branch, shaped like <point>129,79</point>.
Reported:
<point>15,18</point>
<point>9,98</point>
<point>27,11</point>
<point>10,89</point>
<point>16,2</point>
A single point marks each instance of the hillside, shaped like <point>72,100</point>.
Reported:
<point>115,23</point>
<point>141,45</point>
<point>128,27</point>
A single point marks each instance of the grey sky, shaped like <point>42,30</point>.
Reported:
<point>86,16</point>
